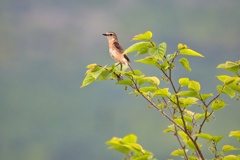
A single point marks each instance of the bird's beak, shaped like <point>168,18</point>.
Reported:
<point>104,34</point>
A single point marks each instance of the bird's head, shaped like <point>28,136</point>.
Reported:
<point>111,36</point>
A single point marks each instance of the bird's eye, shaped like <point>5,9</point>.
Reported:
<point>110,34</point>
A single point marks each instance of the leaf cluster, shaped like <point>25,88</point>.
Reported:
<point>175,102</point>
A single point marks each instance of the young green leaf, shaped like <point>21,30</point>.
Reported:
<point>191,145</point>
<point>127,82</point>
<point>189,101</point>
<point>185,64</point>
<point>116,144</point>
<point>230,66</point>
<point>194,86</point>
<point>148,89</point>
<point>228,148</point>
<point>235,134</point>
<point>152,80</point>
<point>190,52</point>
<point>91,66</point>
<point>130,138</point>
<point>96,72</point>
<point>169,129</point>
<point>162,48</point>
<point>155,53</point>
<point>178,152</point>
<point>182,46</point>
<point>227,90</point>
<point>144,36</point>
<point>171,56</point>
<point>217,104</point>
<point>183,81</point>
<point>87,80</point>
<point>163,92</point>
<point>223,77</point>
<point>193,158</point>
<point>198,116</point>
<point>230,157</point>
<point>148,60</point>
<point>137,47</point>
<point>217,139</point>
<point>206,96</point>
<point>204,136</point>
<point>187,93</point>
<point>137,148</point>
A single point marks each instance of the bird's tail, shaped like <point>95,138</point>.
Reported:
<point>131,68</point>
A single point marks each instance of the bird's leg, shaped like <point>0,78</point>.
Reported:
<point>120,77</point>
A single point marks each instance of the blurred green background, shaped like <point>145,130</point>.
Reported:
<point>45,46</point>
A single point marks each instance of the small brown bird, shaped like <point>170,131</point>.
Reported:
<point>116,50</point>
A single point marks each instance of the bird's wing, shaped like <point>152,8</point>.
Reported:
<point>118,47</point>
<point>126,57</point>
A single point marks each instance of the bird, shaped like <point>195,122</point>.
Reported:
<point>116,51</point>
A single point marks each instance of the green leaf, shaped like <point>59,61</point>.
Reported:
<point>183,81</point>
<point>116,144</point>
<point>162,48</point>
<point>217,104</point>
<point>171,56</point>
<point>191,145</point>
<point>193,158</point>
<point>137,47</point>
<point>156,53</point>
<point>182,46</point>
<point>226,79</point>
<point>194,86</point>
<point>163,92</point>
<point>148,89</point>
<point>183,135</point>
<point>127,82</point>
<point>206,96</point>
<point>87,80</point>
<point>187,118</point>
<point>185,64</point>
<point>223,77</point>
<point>143,50</point>
<point>137,148</point>
<point>96,72</point>
<point>92,66</point>
<point>144,36</point>
<point>148,60</point>
<point>187,93</point>
<point>106,75</point>
<point>198,116</point>
<point>143,157</point>
<point>169,129</point>
<point>178,152</point>
<point>178,121</point>
<point>230,157</point>
<point>152,80</point>
<point>227,90</point>
<point>235,85</point>
<point>217,139</point>
<point>230,66</point>
<point>189,101</point>
<point>228,148</point>
<point>92,74</point>
<point>165,65</point>
<point>190,52</point>
<point>130,138</point>
<point>235,134</point>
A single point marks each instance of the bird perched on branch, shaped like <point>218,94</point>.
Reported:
<point>116,51</point>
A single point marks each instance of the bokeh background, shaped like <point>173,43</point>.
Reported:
<point>45,46</point>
